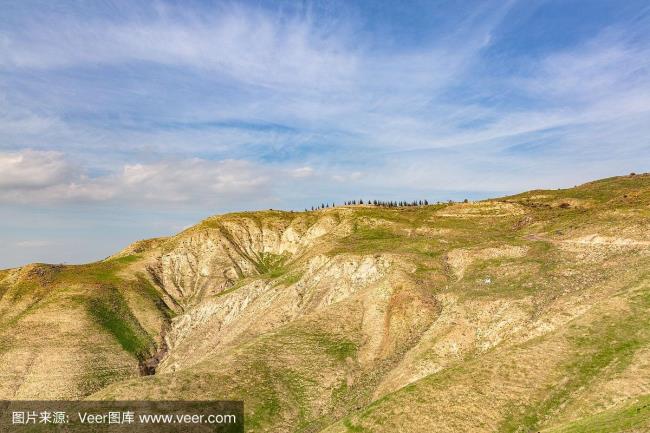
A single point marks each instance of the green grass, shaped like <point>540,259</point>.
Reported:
<point>26,288</point>
<point>106,304</point>
<point>110,310</point>
<point>632,417</point>
<point>339,349</point>
<point>292,277</point>
<point>35,282</point>
<point>266,404</point>
<point>377,239</point>
<point>351,427</point>
<point>271,265</point>
<point>99,272</point>
<point>519,277</point>
<point>144,287</point>
<point>599,191</point>
<point>287,387</point>
<point>369,240</point>
<point>6,324</point>
<point>608,344</point>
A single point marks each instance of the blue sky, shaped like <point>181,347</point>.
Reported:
<point>126,120</point>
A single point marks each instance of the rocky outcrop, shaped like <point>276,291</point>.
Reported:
<point>263,305</point>
<point>209,258</point>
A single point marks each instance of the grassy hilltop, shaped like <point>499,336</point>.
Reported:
<point>523,313</point>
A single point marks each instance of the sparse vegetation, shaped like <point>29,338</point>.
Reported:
<point>526,313</point>
<point>110,310</point>
<point>271,265</point>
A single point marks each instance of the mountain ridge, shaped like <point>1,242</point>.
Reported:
<point>361,318</point>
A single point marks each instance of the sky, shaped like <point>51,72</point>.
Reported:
<point>127,120</point>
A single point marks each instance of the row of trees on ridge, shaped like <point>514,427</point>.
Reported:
<point>380,203</point>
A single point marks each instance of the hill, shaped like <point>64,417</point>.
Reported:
<point>523,313</point>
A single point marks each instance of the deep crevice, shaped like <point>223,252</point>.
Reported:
<point>149,365</point>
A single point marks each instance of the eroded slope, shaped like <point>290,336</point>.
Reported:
<point>528,312</point>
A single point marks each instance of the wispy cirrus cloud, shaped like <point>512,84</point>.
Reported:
<point>312,74</point>
<point>212,107</point>
<point>322,83</point>
<point>246,44</point>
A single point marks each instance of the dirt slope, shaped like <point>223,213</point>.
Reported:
<point>518,314</point>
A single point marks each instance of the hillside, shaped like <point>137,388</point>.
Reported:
<point>524,313</point>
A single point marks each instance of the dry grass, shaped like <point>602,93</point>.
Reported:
<point>528,313</point>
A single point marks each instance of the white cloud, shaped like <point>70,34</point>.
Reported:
<point>32,170</point>
<point>47,177</point>
<point>192,180</point>
<point>250,45</point>
<point>347,177</point>
<point>301,172</point>
<point>603,67</point>
<point>290,71</point>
